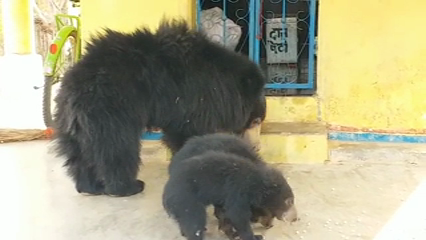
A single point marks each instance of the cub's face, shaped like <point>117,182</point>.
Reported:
<point>287,212</point>
<point>278,198</point>
<point>265,216</point>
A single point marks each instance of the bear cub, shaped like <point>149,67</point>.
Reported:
<point>224,171</point>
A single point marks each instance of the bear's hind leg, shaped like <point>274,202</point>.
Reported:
<point>113,150</point>
<point>81,172</point>
<point>85,180</point>
<point>119,165</point>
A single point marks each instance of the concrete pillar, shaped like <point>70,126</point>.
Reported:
<point>20,68</point>
<point>18,27</point>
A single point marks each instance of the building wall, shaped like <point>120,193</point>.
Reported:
<point>126,15</point>
<point>371,59</point>
<point>372,64</point>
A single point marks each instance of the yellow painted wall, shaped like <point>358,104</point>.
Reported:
<point>127,15</point>
<point>371,58</point>
<point>16,18</point>
<point>292,109</point>
<point>372,63</point>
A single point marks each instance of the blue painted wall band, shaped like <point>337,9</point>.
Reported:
<point>341,136</point>
<point>151,136</point>
<point>376,137</point>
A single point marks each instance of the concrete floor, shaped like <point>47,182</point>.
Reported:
<point>352,197</point>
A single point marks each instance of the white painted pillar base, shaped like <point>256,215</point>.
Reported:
<point>20,104</point>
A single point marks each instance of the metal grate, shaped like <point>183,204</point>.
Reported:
<point>280,35</point>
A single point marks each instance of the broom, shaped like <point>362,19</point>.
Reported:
<point>19,135</point>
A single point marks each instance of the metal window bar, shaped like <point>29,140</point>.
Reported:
<point>255,33</point>
<point>236,11</point>
<point>312,5</point>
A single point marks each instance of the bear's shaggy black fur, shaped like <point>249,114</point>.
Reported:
<point>257,215</point>
<point>224,171</point>
<point>174,79</point>
<point>222,142</point>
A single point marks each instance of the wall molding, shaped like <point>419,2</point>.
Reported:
<point>375,137</point>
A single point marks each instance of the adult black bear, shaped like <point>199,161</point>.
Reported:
<point>174,79</point>
<point>226,172</point>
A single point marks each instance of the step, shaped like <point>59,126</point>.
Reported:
<point>279,143</point>
<point>377,152</point>
<point>294,142</point>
